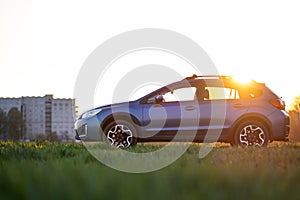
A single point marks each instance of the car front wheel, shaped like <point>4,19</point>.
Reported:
<point>120,133</point>
<point>251,133</point>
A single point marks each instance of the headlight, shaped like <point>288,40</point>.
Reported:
<point>90,113</point>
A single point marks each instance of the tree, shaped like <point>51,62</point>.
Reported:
<point>3,125</point>
<point>52,137</point>
<point>295,106</point>
<point>15,124</point>
<point>294,113</point>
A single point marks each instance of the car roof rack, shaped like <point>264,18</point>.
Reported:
<point>194,77</point>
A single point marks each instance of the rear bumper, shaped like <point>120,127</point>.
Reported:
<point>281,130</point>
<point>287,129</point>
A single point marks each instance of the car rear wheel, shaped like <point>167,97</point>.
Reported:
<point>120,133</point>
<point>251,133</point>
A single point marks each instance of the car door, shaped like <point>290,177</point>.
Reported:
<point>220,110</point>
<point>176,114</point>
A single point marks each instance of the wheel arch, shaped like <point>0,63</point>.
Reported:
<point>252,116</point>
<point>120,115</point>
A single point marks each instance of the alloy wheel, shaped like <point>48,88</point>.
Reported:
<point>120,136</point>
<point>252,135</point>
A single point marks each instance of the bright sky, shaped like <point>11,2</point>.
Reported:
<point>43,44</point>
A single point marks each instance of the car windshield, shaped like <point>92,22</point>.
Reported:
<point>142,91</point>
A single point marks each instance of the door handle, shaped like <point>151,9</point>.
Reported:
<point>239,105</point>
<point>190,108</point>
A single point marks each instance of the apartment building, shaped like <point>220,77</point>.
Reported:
<point>44,115</point>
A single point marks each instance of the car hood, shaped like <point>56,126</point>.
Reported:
<point>115,105</point>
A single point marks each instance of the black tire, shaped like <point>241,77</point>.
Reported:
<point>251,133</point>
<point>121,133</point>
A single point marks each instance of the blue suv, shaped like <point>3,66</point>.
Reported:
<point>193,109</point>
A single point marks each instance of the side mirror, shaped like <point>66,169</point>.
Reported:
<point>159,99</point>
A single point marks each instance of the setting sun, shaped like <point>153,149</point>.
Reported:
<point>242,79</point>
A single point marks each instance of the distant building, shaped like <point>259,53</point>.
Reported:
<point>7,103</point>
<point>44,115</point>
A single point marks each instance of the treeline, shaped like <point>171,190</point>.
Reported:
<point>294,113</point>
<point>11,125</point>
<point>12,128</point>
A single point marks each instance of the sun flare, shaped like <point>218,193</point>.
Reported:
<point>242,79</point>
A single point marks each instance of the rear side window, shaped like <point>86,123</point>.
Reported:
<point>250,92</point>
<point>221,93</point>
<point>227,93</point>
<point>254,92</point>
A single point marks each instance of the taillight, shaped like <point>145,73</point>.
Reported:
<point>278,103</point>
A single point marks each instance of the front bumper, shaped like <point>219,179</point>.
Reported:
<point>88,129</point>
<point>77,135</point>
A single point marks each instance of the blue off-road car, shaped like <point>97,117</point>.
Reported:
<point>192,109</point>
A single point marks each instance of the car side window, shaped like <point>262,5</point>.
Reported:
<point>253,92</point>
<point>250,92</point>
<point>222,93</point>
<point>180,94</point>
<point>175,95</point>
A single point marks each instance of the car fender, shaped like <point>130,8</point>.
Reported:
<point>252,116</point>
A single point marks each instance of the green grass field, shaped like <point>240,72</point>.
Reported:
<point>68,171</point>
